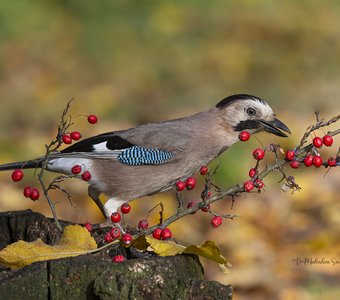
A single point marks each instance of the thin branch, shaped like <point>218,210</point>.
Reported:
<point>318,125</point>
<point>53,147</point>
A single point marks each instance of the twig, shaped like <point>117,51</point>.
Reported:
<point>53,147</point>
<point>312,128</point>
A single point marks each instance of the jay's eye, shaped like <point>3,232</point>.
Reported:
<point>251,111</point>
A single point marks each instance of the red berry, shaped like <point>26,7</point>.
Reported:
<point>108,238</point>
<point>258,154</point>
<point>125,208</point>
<point>190,183</point>
<point>216,221</point>
<point>259,184</point>
<point>295,164</point>
<point>86,176</point>
<point>244,136</point>
<point>17,175</point>
<point>92,119</point>
<point>317,142</point>
<point>180,185</point>
<point>118,258</point>
<point>166,234</point>
<point>317,161</point>
<point>143,224</point>
<point>191,204</point>
<point>76,169</point>
<point>308,160</point>
<point>290,154</point>
<point>115,217</point>
<point>67,139</point>
<point>27,191</point>
<point>331,162</point>
<point>328,140</point>
<point>248,185</point>
<point>127,239</point>
<point>205,208</point>
<point>88,226</point>
<point>157,233</point>
<point>204,170</point>
<point>115,233</point>
<point>252,172</point>
<point>34,194</point>
<point>75,135</point>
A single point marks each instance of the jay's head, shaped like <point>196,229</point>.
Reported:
<point>250,113</point>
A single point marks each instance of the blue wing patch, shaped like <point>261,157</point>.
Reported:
<point>137,155</point>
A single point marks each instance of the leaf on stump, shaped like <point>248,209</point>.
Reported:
<point>75,240</point>
<point>164,248</point>
<point>208,250</point>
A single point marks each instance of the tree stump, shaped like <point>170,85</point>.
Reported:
<point>94,276</point>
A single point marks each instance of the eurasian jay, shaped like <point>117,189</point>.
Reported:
<point>151,158</point>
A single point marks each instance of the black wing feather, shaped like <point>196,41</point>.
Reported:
<point>113,142</point>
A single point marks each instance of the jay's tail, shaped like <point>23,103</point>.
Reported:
<point>30,164</point>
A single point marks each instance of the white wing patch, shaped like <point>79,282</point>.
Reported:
<point>100,147</point>
<point>65,164</point>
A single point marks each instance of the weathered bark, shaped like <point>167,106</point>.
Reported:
<point>95,276</point>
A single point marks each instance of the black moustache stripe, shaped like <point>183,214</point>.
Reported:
<point>248,124</point>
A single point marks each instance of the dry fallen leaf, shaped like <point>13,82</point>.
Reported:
<point>208,250</point>
<point>76,240</point>
<point>164,248</point>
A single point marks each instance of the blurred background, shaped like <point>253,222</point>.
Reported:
<point>131,62</point>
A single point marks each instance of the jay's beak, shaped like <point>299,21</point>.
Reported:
<point>275,127</point>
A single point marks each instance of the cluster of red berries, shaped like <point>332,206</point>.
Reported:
<point>254,182</point>
<point>116,216</point>
<point>32,192</point>
<point>189,184</point>
<point>76,135</point>
<point>112,235</point>
<point>77,169</point>
<point>313,160</point>
<point>29,191</point>
<point>162,233</point>
<point>115,233</point>
<point>216,221</point>
<point>258,155</point>
<point>73,136</point>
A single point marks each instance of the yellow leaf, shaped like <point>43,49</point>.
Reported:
<point>75,240</point>
<point>164,248</point>
<point>208,250</point>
